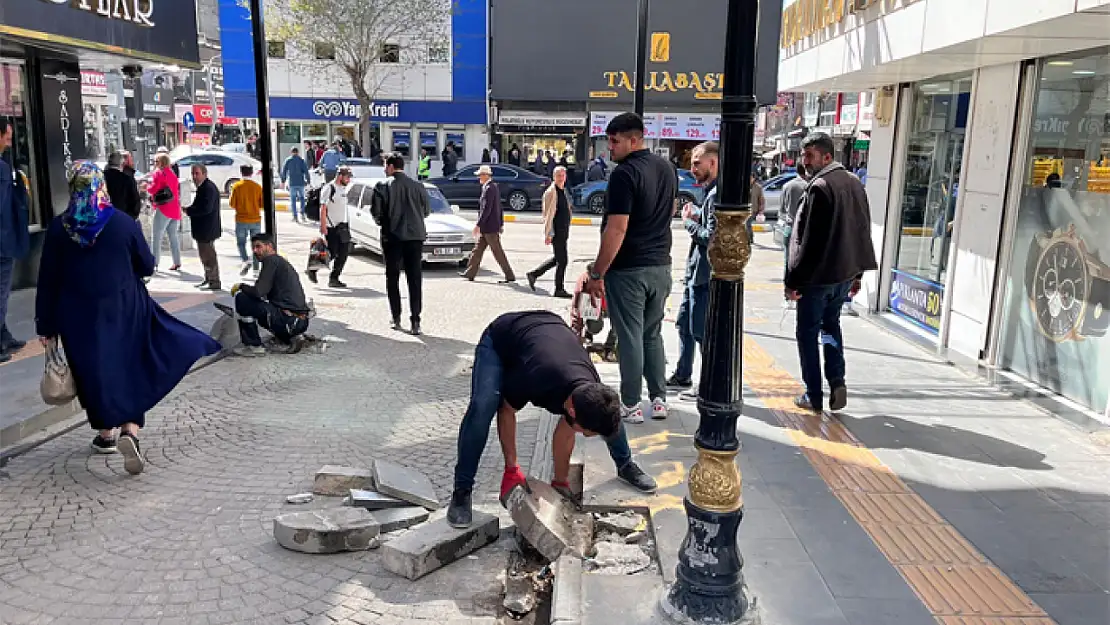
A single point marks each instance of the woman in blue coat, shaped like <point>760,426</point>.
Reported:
<point>125,352</point>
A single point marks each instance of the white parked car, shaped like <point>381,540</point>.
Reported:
<point>223,167</point>
<point>360,168</point>
<point>450,238</point>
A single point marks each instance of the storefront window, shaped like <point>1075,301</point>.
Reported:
<point>1058,292</point>
<point>289,137</point>
<point>933,159</point>
<point>14,106</point>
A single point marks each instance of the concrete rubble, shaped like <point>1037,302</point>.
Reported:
<point>299,498</point>
<point>335,480</point>
<point>611,558</point>
<point>373,500</point>
<point>548,522</point>
<point>395,519</point>
<point>622,524</point>
<point>327,531</point>
<point>406,484</point>
<point>434,545</point>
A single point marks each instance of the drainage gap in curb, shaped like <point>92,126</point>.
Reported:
<point>623,544</point>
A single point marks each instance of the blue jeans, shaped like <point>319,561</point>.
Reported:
<point>7,265</point>
<point>296,194</point>
<point>819,320</point>
<point>243,234</point>
<point>637,300</point>
<point>691,327</point>
<point>163,225</point>
<point>485,399</point>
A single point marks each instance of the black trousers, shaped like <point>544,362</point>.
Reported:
<point>254,312</point>
<point>559,261</point>
<point>405,255</point>
<point>339,247</point>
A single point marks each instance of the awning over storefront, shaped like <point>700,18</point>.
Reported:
<point>164,31</point>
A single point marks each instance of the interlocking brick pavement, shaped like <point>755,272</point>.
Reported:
<point>189,541</point>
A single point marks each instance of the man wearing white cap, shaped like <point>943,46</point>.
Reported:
<point>487,231</point>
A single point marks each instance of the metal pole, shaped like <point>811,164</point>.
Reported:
<point>709,585</point>
<point>641,57</point>
<point>266,149</point>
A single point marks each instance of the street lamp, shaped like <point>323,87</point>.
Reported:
<point>266,150</point>
<point>710,584</point>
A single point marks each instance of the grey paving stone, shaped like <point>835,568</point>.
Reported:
<point>373,500</point>
<point>639,606</point>
<point>336,480</point>
<point>885,612</point>
<point>566,596</point>
<point>326,531</point>
<point>1075,609</point>
<point>405,483</point>
<point>793,593</point>
<point>399,518</point>
<point>548,522</point>
<point>437,544</point>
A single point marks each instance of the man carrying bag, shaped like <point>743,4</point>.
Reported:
<point>335,225</point>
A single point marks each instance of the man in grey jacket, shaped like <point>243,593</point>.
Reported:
<point>700,223</point>
<point>399,206</point>
<point>830,249</point>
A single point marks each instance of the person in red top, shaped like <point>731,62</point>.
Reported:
<point>167,207</point>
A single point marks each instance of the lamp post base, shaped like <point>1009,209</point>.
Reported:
<point>688,608</point>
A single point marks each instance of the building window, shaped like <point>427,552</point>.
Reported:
<point>391,53</point>
<point>275,49</point>
<point>439,54</point>
<point>324,51</point>
<point>930,193</point>
<point>1056,321</point>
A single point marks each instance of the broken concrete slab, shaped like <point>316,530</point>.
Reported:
<point>549,522</point>
<point>373,500</point>
<point>395,519</point>
<point>520,594</point>
<point>327,531</point>
<point>566,595</point>
<point>622,523</point>
<point>617,559</point>
<point>434,545</point>
<point>404,483</point>
<point>335,480</point>
<point>299,498</point>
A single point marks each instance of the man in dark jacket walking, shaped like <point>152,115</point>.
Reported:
<point>122,187</point>
<point>15,240</point>
<point>399,206</point>
<point>294,172</point>
<point>205,217</point>
<point>830,248</point>
<point>450,159</point>
<point>701,224</point>
<point>488,229</point>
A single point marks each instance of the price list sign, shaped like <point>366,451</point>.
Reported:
<point>698,128</point>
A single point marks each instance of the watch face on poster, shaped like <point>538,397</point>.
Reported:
<point>1060,289</point>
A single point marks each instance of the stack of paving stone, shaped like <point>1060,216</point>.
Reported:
<point>382,499</point>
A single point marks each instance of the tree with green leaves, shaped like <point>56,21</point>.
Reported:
<point>370,41</point>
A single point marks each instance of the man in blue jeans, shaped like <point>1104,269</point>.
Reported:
<point>535,357</point>
<point>700,223</point>
<point>14,238</point>
<point>294,172</point>
<point>830,248</point>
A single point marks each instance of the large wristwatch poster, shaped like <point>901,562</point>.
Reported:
<point>1057,318</point>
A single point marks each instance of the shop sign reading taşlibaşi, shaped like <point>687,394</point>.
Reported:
<point>705,86</point>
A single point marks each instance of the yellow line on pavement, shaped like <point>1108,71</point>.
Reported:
<point>956,582</point>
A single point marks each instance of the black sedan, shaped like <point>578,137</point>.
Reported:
<point>520,188</point>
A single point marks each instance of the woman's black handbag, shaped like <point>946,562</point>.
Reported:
<point>164,196</point>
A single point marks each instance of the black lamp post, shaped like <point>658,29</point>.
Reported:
<point>265,145</point>
<point>710,584</point>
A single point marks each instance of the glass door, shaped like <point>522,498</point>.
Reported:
<point>14,105</point>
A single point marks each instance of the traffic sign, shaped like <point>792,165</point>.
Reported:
<point>188,121</point>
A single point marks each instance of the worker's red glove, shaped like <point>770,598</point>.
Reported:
<point>512,478</point>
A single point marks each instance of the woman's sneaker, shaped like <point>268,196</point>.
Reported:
<point>103,445</point>
<point>632,414</point>
<point>133,461</point>
<point>658,408</point>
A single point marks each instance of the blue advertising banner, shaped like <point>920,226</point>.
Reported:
<point>342,109</point>
<point>917,300</point>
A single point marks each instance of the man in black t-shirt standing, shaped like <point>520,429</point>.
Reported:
<point>535,357</point>
<point>633,266</point>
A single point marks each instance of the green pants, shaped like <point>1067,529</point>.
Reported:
<point>637,299</point>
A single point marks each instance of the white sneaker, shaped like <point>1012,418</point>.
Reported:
<point>632,414</point>
<point>658,408</point>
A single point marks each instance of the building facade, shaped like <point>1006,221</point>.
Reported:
<point>561,70</point>
<point>62,114</point>
<point>425,99</point>
<point>988,175</point>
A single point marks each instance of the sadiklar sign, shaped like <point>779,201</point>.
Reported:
<point>138,11</point>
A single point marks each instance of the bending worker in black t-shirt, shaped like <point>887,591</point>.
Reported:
<point>535,357</point>
<point>275,301</point>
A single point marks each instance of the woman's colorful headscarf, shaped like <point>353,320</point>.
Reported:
<point>90,207</point>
